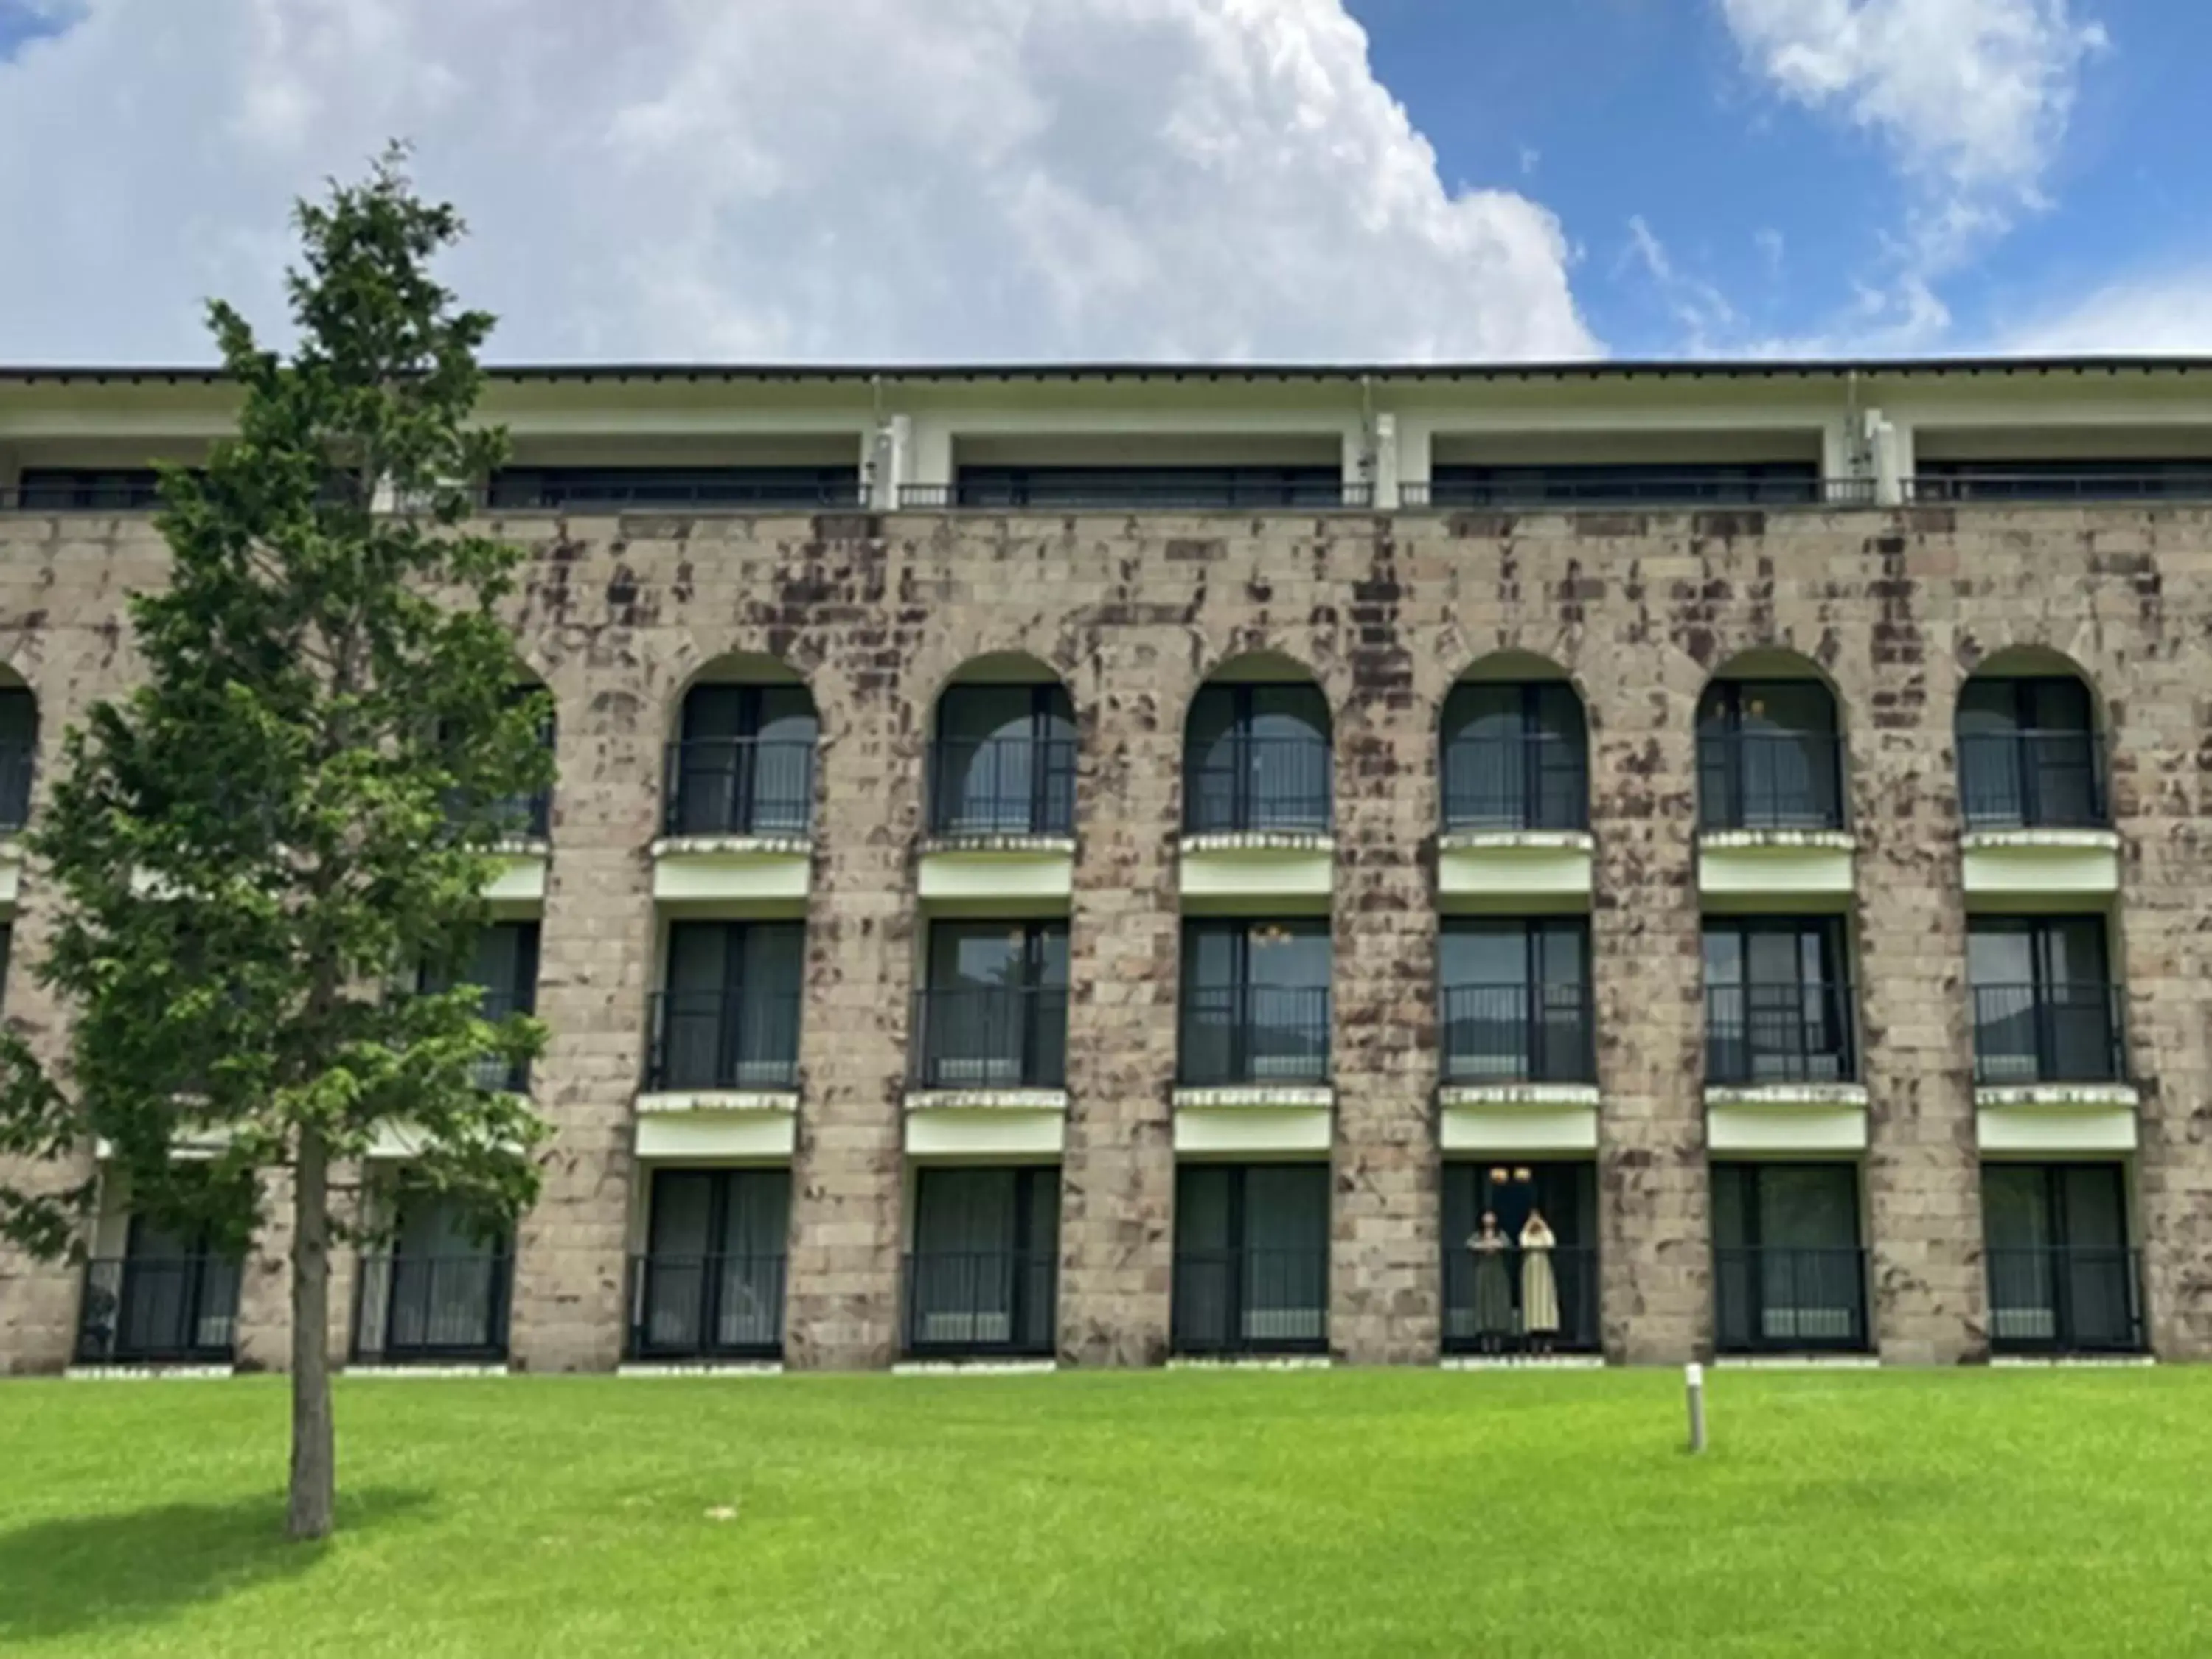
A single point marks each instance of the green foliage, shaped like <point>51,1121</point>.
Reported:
<point>257,849</point>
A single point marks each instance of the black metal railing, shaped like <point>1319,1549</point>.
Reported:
<point>2069,1032</point>
<point>1770,780</point>
<point>1244,784</point>
<point>158,1310</point>
<point>412,1309</point>
<point>2062,1298</point>
<point>1005,785</point>
<point>1254,1034</point>
<point>18,767</point>
<point>1141,493</point>
<point>1796,1032</point>
<point>1497,1303</point>
<point>1771,1298</point>
<point>2088,484</point>
<point>740,787</point>
<point>733,1039</point>
<point>1534,780</point>
<point>964,1304</point>
<point>1232,1302</point>
<point>1518,1033</point>
<point>2030,780</point>
<point>618,490</point>
<point>1569,490</point>
<point>705,1307</point>
<point>990,1037</point>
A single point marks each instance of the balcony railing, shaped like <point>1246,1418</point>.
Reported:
<point>1796,1032</point>
<point>414,1309</point>
<point>1775,1299</point>
<point>1496,1305</point>
<point>705,1307</point>
<point>1568,491</point>
<point>990,1037</point>
<point>1770,780</point>
<point>1518,1033</point>
<point>733,1039</point>
<point>158,1310</point>
<point>2069,1032</point>
<point>617,490</point>
<point>2032,780</point>
<point>1142,493</point>
<point>740,787</point>
<point>2089,485</point>
<point>1244,784</point>
<point>1535,780</point>
<point>1007,785</point>
<point>2065,1298</point>
<point>963,1304</point>
<point>18,760</point>
<point>1254,1034</point>
<point>1232,1302</point>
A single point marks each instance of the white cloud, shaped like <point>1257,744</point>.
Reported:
<point>1972,94</point>
<point>2168,315</point>
<point>788,178</point>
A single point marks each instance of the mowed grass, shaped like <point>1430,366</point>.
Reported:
<point>1894,1514</point>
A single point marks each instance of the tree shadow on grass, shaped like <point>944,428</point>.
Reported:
<point>82,1573</point>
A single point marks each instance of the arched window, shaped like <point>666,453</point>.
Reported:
<point>1002,758</point>
<point>2029,753</point>
<point>1256,751</point>
<point>743,762</point>
<point>1770,754</point>
<point>1515,748</point>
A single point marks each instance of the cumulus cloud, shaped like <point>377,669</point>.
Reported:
<point>804,179</point>
<point>2168,315</point>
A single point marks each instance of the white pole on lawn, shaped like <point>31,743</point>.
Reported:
<point>1694,1384</point>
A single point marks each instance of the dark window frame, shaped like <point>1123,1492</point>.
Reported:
<point>1836,989</point>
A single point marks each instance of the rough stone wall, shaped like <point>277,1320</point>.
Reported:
<point>1133,610</point>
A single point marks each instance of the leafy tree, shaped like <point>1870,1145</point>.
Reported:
<point>255,851</point>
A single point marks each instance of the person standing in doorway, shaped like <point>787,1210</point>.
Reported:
<point>1539,1289</point>
<point>1493,1285</point>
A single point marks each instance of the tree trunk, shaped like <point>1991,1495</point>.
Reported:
<point>315,1451</point>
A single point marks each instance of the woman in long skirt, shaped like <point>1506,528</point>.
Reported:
<point>1493,1286</point>
<point>1540,1290</point>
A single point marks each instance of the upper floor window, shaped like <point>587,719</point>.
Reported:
<point>1656,483</point>
<point>2029,755</point>
<point>610,487</point>
<point>18,751</point>
<point>1165,487</point>
<point>1256,757</point>
<point>2045,1010</point>
<point>1003,761</point>
<point>1517,1001</point>
<point>2109,479</point>
<point>89,489</point>
<point>1516,756</point>
<point>504,964</point>
<point>993,1012</point>
<point>1769,756</point>
<point>1779,1007</point>
<point>1256,1001</point>
<point>729,1017</point>
<point>744,762</point>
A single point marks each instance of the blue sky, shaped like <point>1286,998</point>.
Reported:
<point>1348,179</point>
<point>1617,110</point>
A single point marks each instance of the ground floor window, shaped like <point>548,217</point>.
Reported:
<point>1520,1249</point>
<point>1251,1258</point>
<point>1789,1270</point>
<point>981,1280</point>
<point>437,1291</point>
<point>2063,1278</point>
<point>710,1282</point>
<point>170,1298</point>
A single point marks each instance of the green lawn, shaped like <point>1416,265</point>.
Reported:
<point>1287,1513</point>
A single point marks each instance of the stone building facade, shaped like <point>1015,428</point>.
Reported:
<point>1892,599</point>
